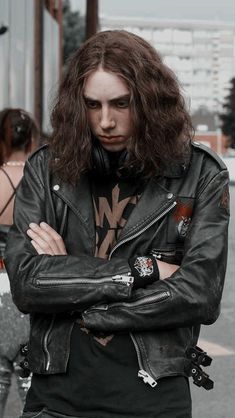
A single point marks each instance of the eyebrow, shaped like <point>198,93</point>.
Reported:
<point>114,99</point>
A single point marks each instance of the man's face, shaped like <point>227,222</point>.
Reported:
<point>107,100</point>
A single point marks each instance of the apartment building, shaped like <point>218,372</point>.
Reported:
<point>202,53</point>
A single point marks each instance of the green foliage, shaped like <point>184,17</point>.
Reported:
<point>228,116</point>
<point>73,30</point>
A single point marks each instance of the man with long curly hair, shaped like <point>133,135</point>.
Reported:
<point>119,245</point>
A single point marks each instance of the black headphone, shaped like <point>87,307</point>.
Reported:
<point>103,165</point>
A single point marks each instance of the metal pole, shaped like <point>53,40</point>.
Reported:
<point>60,23</point>
<point>38,63</point>
<point>91,17</point>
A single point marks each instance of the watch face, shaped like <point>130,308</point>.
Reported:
<point>144,266</point>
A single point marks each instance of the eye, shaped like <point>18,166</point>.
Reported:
<point>123,103</point>
<point>91,104</point>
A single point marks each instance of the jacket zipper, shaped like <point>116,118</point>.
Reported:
<point>125,279</point>
<point>147,378</point>
<point>148,299</point>
<point>45,341</point>
<point>144,229</point>
<point>159,254</point>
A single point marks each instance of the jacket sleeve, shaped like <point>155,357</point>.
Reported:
<point>192,294</point>
<point>43,283</point>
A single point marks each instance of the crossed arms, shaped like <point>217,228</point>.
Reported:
<point>44,278</point>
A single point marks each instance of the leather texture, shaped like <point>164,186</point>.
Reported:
<point>181,216</point>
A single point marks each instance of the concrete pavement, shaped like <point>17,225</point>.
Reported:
<point>219,341</point>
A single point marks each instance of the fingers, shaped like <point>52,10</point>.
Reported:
<point>46,240</point>
<point>38,248</point>
<point>55,237</point>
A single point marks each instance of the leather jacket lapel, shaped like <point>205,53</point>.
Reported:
<point>79,200</point>
<point>153,202</point>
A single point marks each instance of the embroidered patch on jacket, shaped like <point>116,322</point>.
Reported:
<point>224,200</point>
<point>144,266</point>
<point>183,216</point>
<point>183,226</point>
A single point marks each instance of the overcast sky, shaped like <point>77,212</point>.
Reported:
<point>169,9</point>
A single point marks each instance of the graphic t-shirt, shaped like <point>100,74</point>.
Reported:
<point>113,205</point>
<point>101,380</point>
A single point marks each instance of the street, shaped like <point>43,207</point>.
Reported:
<point>220,402</point>
<point>218,340</point>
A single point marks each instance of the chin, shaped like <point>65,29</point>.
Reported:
<point>114,147</point>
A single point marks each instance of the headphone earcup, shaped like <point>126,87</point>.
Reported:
<point>103,163</point>
<point>100,161</point>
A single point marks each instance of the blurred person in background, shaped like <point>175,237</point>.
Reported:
<point>119,244</point>
<point>18,138</point>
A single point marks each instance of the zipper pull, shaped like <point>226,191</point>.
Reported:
<point>126,279</point>
<point>47,365</point>
<point>156,255</point>
<point>147,378</point>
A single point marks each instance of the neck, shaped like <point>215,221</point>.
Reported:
<point>17,156</point>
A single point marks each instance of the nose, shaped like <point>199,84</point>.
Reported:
<point>107,120</point>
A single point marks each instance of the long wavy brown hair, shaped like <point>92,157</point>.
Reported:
<point>162,125</point>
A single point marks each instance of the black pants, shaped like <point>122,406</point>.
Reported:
<point>45,414</point>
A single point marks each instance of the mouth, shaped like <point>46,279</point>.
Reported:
<point>111,139</point>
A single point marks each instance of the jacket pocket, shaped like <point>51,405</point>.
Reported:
<point>171,256</point>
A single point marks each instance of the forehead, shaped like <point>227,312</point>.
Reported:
<point>105,84</point>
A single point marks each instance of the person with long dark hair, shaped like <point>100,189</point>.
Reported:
<point>119,245</point>
<point>18,137</point>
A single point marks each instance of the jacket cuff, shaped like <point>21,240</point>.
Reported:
<point>144,270</point>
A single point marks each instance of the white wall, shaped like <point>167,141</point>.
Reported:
<point>17,54</point>
<point>51,66</point>
<point>17,57</point>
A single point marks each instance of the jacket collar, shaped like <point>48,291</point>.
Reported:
<point>175,170</point>
<point>79,199</point>
<point>155,200</point>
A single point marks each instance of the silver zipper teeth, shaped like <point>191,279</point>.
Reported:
<point>144,229</point>
<point>141,365</point>
<point>148,299</point>
<point>71,281</point>
<point>162,296</point>
<point>139,358</point>
<point>48,282</point>
<point>45,344</point>
<point>164,253</point>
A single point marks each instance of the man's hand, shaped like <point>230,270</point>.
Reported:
<point>166,269</point>
<point>46,240</point>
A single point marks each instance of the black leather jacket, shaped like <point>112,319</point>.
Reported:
<point>181,217</point>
